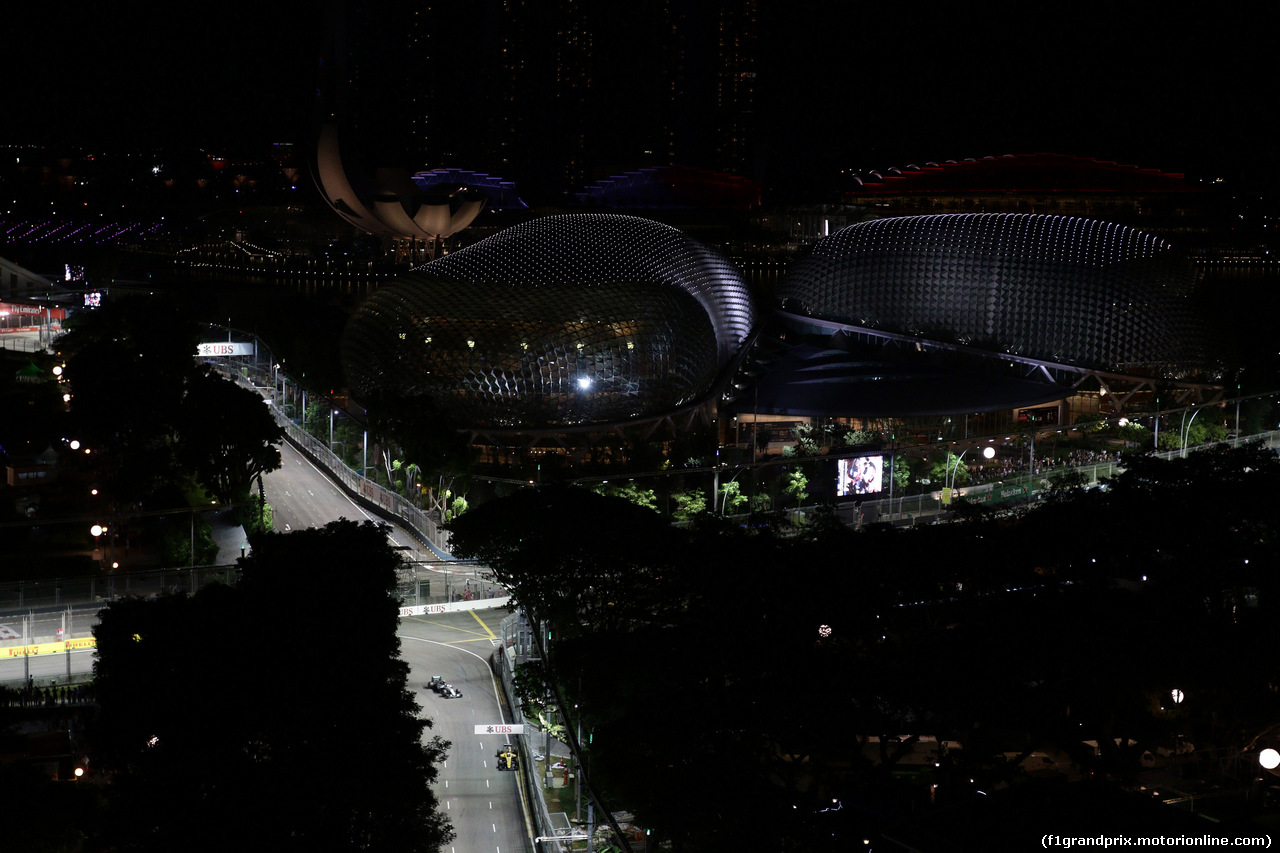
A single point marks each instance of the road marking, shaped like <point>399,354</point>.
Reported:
<point>490,633</point>
<point>476,634</point>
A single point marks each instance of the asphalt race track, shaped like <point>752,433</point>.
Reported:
<point>482,801</point>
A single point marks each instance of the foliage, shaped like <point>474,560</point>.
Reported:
<point>1093,654</point>
<point>317,419</point>
<point>457,506</point>
<point>795,486</point>
<point>532,688</point>
<point>256,516</point>
<point>175,542</point>
<point>950,469</point>
<point>423,432</point>
<point>226,437</point>
<point>1065,483</point>
<point>858,438</point>
<point>43,414</point>
<point>326,753</point>
<point>1198,432</point>
<point>689,503</point>
<point>573,555</point>
<point>56,816</point>
<point>731,498</point>
<point>185,420</point>
<point>646,498</point>
<point>806,442</point>
<point>901,474</point>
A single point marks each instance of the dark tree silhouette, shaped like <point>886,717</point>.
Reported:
<point>226,437</point>
<point>236,720</point>
<point>152,415</point>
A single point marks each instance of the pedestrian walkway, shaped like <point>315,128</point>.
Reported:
<point>230,537</point>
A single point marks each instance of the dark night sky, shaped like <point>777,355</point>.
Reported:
<point>840,88</point>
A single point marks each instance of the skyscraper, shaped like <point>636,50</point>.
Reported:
<point>550,94</point>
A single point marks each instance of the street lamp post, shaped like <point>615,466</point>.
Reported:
<point>724,503</point>
<point>1186,429</point>
<point>949,477</point>
<point>96,531</point>
<point>1155,428</point>
<point>949,480</point>
<point>1177,696</point>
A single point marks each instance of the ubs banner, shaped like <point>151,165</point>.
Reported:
<point>223,348</point>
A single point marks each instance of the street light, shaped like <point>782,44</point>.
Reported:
<point>724,502</point>
<point>96,531</point>
<point>1186,429</point>
<point>949,479</point>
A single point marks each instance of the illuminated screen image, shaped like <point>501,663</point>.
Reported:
<point>859,475</point>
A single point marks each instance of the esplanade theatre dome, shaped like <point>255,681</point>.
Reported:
<point>564,321</point>
<point>1063,289</point>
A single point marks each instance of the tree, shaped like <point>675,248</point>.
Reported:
<point>573,556</point>
<point>326,753</point>
<point>731,498</point>
<point>901,474</point>
<point>177,420</point>
<point>689,503</point>
<point>950,470</point>
<point>629,490</point>
<point>795,486</point>
<point>423,432</point>
<point>226,437</point>
<point>133,438</point>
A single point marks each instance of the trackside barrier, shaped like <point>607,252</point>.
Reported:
<point>455,606</point>
<point>361,489</point>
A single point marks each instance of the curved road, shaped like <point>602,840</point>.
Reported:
<point>302,496</point>
<point>483,802</point>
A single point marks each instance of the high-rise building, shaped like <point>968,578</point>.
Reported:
<point>553,94</point>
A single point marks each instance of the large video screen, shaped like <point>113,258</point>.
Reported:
<point>859,475</point>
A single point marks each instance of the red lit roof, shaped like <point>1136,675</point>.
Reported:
<point>1022,173</point>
